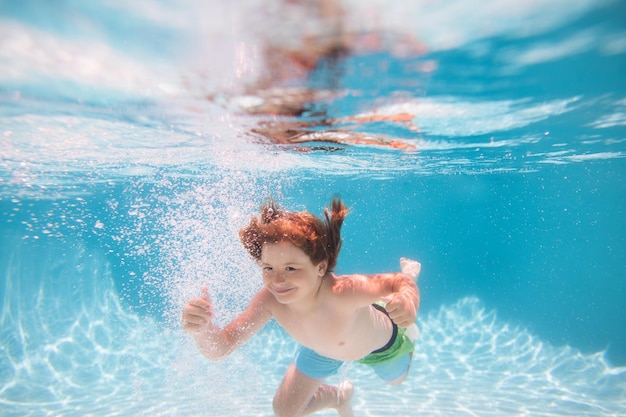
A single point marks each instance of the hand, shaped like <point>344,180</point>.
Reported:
<point>401,308</point>
<point>197,313</point>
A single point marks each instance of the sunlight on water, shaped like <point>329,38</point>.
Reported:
<point>67,340</point>
<point>495,366</point>
<point>91,356</point>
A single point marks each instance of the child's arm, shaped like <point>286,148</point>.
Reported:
<point>398,290</point>
<point>216,343</point>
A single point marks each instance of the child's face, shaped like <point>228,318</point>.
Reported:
<point>289,273</point>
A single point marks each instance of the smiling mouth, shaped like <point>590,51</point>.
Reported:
<point>282,291</point>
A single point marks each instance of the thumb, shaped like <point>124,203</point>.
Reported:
<point>204,294</point>
<point>386,299</point>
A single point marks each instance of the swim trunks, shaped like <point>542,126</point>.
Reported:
<point>389,362</point>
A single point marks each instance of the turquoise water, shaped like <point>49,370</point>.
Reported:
<point>126,170</point>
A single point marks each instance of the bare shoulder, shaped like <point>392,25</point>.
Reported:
<point>346,284</point>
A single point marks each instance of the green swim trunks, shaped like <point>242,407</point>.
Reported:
<point>398,346</point>
<point>393,360</point>
<point>401,346</point>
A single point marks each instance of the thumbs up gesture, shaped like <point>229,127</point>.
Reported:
<point>197,313</point>
<point>410,267</point>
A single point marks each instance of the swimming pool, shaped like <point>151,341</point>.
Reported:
<point>127,169</point>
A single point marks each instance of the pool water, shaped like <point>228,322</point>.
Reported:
<point>128,164</point>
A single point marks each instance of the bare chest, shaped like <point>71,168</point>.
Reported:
<point>334,333</point>
<point>322,324</point>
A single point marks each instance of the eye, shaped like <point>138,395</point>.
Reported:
<point>290,268</point>
<point>267,269</point>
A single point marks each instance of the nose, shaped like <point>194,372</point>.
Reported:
<point>279,278</point>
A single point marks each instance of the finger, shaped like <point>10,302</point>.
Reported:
<point>194,319</point>
<point>204,295</point>
<point>200,308</point>
<point>399,314</point>
<point>197,301</point>
<point>396,316</point>
<point>392,303</point>
<point>192,328</point>
<point>200,303</point>
<point>404,324</point>
<point>400,318</point>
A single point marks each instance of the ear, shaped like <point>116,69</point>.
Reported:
<point>322,266</point>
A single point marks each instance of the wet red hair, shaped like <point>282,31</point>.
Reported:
<point>319,239</point>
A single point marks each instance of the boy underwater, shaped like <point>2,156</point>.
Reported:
<point>333,318</point>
